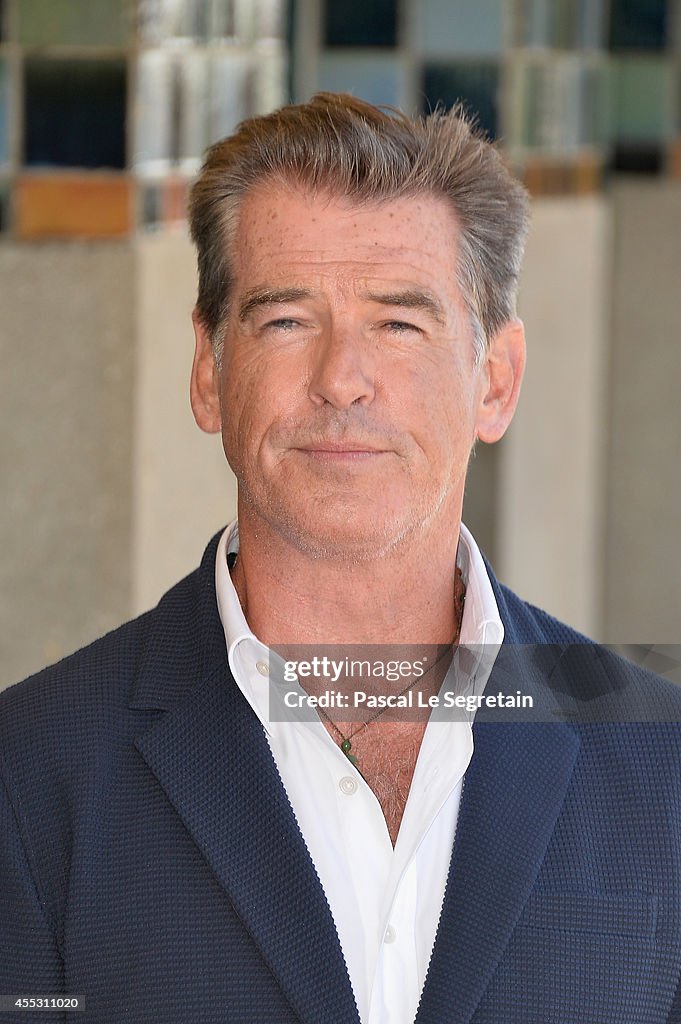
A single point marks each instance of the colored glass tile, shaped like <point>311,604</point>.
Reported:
<point>195,104</point>
<point>204,21</point>
<point>156,88</point>
<point>150,205</point>
<point>557,105</point>
<point>271,76</point>
<point>74,112</point>
<point>4,206</point>
<point>76,22</point>
<point>564,24</point>
<point>232,93</point>
<point>639,24</point>
<point>156,21</point>
<point>360,23</point>
<point>58,206</point>
<point>642,108</point>
<point>186,102</point>
<point>475,84</point>
<point>4,111</point>
<point>458,27</point>
<point>270,21</point>
<point>164,203</point>
<point>675,159</point>
<point>547,177</point>
<point>379,78</point>
<point>175,196</point>
<point>638,158</point>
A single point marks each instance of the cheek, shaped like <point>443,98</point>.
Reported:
<point>239,407</point>
<point>243,421</point>
<point>443,403</point>
<point>258,393</point>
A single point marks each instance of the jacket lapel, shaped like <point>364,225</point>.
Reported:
<point>215,765</point>
<point>508,812</point>
<point>210,755</point>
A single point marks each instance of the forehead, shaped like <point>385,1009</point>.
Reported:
<point>284,231</point>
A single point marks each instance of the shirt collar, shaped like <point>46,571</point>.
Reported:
<point>249,659</point>
<point>481,623</point>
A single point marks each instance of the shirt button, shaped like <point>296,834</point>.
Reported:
<point>347,785</point>
<point>389,935</point>
<point>263,668</point>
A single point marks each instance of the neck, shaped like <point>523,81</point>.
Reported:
<point>404,596</point>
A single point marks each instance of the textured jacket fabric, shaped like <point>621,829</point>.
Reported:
<point>150,860</point>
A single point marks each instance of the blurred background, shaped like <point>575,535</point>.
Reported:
<point>111,492</point>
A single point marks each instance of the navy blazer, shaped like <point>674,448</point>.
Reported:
<point>150,860</point>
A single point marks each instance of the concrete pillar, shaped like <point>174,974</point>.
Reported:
<point>183,489</point>
<point>643,539</point>
<point>551,463</point>
<point>66,395</point>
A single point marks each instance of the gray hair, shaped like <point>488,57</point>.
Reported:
<point>347,147</point>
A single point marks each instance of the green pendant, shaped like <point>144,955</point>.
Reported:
<point>345,747</point>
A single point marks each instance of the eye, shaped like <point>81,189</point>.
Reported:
<point>401,327</point>
<point>283,323</point>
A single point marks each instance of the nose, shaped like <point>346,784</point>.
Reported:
<point>343,373</point>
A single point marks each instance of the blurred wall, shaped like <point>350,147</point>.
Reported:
<point>111,491</point>
<point>642,592</point>
<point>66,444</point>
<point>183,490</point>
<point>549,509</point>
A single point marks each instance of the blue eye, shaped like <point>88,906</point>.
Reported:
<point>283,324</point>
<point>401,326</point>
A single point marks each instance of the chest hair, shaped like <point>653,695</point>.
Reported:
<point>386,756</point>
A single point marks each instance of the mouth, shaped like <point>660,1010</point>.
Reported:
<point>338,451</point>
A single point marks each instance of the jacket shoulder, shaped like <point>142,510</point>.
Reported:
<point>591,671</point>
<point>84,691</point>
<point>533,625</point>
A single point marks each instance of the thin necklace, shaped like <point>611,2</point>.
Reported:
<point>346,744</point>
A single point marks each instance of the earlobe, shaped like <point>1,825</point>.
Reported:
<point>204,389</point>
<point>504,367</point>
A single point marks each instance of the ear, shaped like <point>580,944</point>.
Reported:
<point>204,387</point>
<point>502,374</point>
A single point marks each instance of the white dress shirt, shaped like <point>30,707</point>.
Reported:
<point>385,902</point>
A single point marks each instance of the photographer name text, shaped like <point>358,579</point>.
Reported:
<point>337,699</point>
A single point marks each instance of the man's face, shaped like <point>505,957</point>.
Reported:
<point>349,398</point>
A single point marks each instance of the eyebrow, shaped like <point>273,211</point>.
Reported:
<point>259,297</point>
<point>410,298</point>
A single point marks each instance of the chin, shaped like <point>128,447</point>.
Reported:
<point>344,539</point>
<point>350,528</point>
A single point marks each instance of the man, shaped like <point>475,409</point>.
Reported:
<point>172,848</point>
